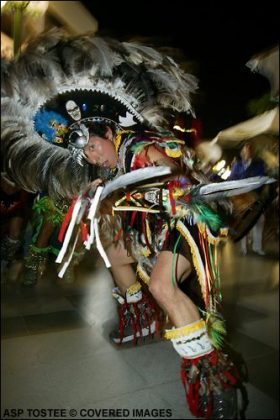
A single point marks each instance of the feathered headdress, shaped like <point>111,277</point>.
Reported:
<point>60,83</point>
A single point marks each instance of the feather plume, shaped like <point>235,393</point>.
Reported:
<point>137,76</point>
<point>216,329</point>
<point>143,54</point>
<point>208,216</point>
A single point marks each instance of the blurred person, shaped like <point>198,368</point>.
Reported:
<point>247,166</point>
<point>46,220</point>
<point>15,211</point>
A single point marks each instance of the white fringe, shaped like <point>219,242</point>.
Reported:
<point>66,264</point>
<point>99,245</point>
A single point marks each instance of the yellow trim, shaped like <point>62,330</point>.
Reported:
<point>224,231</point>
<point>118,138</point>
<point>117,203</point>
<point>142,274</point>
<point>146,252</point>
<point>183,331</point>
<point>148,230</point>
<point>214,240</point>
<point>197,261</point>
<point>173,153</point>
<point>131,208</point>
<point>178,192</point>
<point>134,288</point>
<point>207,234</point>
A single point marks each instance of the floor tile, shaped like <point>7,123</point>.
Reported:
<point>55,321</point>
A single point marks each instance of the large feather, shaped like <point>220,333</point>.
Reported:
<point>219,190</point>
<point>137,75</point>
<point>134,177</point>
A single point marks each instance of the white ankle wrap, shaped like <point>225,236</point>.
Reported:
<point>190,341</point>
<point>134,293</point>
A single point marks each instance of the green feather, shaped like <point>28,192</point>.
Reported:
<point>208,216</point>
<point>216,329</point>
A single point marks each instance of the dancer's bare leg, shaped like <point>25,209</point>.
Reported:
<point>35,263</point>
<point>179,307</point>
<point>122,270</point>
<point>137,312</point>
<point>45,234</point>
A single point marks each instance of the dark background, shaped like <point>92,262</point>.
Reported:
<point>217,40</point>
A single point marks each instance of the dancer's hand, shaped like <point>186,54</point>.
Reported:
<point>94,184</point>
<point>92,187</point>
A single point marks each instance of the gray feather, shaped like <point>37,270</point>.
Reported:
<point>220,190</point>
<point>134,177</point>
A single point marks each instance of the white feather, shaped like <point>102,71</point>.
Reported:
<point>134,177</point>
<point>236,187</point>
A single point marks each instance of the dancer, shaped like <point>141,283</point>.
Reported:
<point>15,211</point>
<point>46,221</point>
<point>110,105</point>
<point>170,232</point>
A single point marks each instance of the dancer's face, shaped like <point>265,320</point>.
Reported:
<point>101,151</point>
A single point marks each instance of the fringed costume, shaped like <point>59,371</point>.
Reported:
<point>52,96</point>
<point>170,215</point>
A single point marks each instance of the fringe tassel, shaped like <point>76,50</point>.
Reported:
<point>205,376</point>
<point>141,315</point>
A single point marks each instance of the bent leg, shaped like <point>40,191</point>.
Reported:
<point>201,363</point>
<point>138,315</point>
<point>45,234</point>
<point>35,261</point>
<point>122,270</point>
<point>179,307</point>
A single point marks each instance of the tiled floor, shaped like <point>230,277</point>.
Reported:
<point>56,353</point>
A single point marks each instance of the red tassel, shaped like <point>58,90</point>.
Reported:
<point>122,310</point>
<point>141,315</point>
<point>136,327</point>
<point>133,218</point>
<point>187,198</point>
<point>171,198</point>
<point>84,231</point>
<point>230,377</point>
<point>183,372</point>
<point>213,357</point>
<point>192,390</point>
<point>66,220</point>
<point>219,369</point>
<point>118,235</point>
